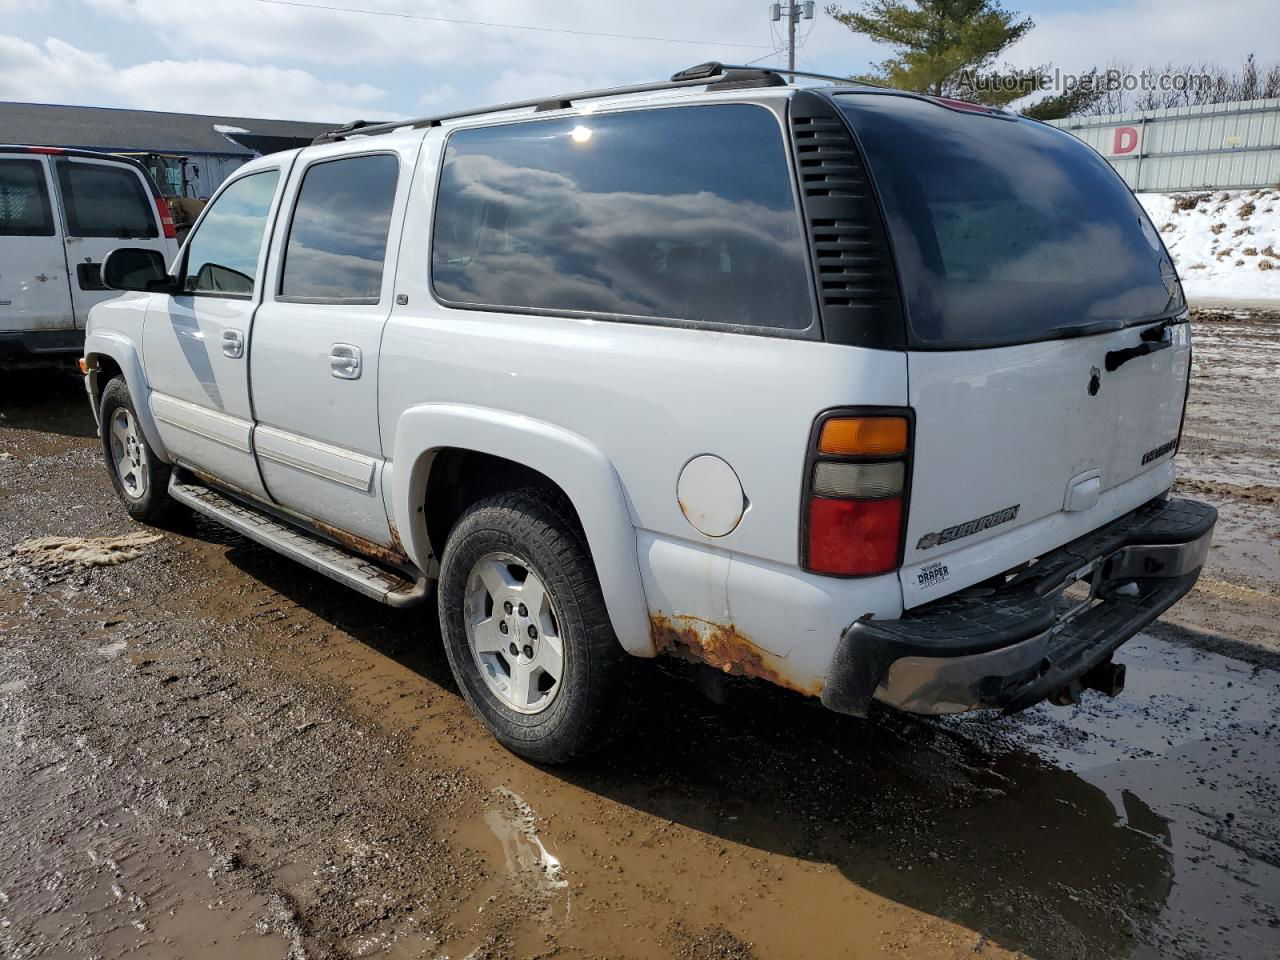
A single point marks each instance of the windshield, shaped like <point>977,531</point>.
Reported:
<point>1007,232</point>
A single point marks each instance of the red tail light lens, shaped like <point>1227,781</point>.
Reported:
<point>854,537</point>
<point>856,492</point>
<point>166,218</point>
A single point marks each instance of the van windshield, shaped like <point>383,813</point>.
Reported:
<point>1007,231</point>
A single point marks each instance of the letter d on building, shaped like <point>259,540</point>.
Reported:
<point>1125,140</point>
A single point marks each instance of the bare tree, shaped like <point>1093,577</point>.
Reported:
<point>1121,88</point>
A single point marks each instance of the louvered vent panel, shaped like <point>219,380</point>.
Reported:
<point>857,285</point>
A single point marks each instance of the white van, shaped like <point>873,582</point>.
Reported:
<point>869,394</point>
<point>61,212</point>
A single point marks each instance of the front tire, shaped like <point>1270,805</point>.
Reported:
<point>140,478</point>
<point>526,630</point>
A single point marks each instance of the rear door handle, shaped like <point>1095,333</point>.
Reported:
<point>344,361</point>
<point>232,344</point>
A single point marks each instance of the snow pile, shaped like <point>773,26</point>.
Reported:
<point>1226,243</point>
<point>68,552</point>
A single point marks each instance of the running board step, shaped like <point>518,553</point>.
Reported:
<point>356,572</point>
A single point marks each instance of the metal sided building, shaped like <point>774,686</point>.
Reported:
<point>215,145</point>
<point>1221,146</point>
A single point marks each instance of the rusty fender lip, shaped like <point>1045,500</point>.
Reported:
<point>721,646</point>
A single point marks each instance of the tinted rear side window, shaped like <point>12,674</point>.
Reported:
<point>684,213</point>
<point>1007,232</point>
<point>24,200</point>
<point>106,200</point>
<point>338,238</point>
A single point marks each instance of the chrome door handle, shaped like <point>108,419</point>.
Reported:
<point>232,344</point>
<point>344,361</point>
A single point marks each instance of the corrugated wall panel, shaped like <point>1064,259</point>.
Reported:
<point>1221,146</point>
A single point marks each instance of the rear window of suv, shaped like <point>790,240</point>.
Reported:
<point>678,214</point>
<point>1007,231</point>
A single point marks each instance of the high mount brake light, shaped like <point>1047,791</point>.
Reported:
<point>856,483</point>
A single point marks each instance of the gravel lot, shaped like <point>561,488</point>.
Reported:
<point>211,752</point>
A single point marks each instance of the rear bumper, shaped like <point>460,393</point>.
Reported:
<point>1009,647</point>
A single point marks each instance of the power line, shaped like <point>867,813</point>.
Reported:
<point>509,26</point>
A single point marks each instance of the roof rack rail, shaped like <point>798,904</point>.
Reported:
<point>729,75</point>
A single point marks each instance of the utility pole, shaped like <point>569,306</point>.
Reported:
<point>793,12</point>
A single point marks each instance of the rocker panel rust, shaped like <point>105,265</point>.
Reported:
<point>388,555</point>
<point>721,646</point>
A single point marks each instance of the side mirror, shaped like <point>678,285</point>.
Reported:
<point>134,268</point>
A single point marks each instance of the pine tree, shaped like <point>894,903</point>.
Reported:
<point>945,47</point>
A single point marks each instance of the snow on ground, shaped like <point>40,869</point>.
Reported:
<point>1226,243</point>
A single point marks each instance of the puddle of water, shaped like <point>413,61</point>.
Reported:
<point>1188,755</point>
<point>13,686</point>
<point>113,650</point>
<point>524,854</point>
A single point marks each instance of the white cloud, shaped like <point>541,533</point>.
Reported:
<point>62,73</point>
<point>261,58</point>
<point>1150,32</point>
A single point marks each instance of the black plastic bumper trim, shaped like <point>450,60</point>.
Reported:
<point>982,621</point>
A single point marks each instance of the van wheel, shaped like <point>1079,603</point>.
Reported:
<point>525,627</point>
<point>141,479</point>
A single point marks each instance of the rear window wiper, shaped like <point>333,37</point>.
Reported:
<point>1068,330</point>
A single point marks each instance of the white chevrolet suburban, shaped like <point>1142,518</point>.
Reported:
<point>869,394</point>
<point>61,212</point>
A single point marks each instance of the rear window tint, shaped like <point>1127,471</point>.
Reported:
<point>681,214</point>
<point>1007,232</point>
<point>106,200</point>
<point>24,200</point>
<point>338,238</point>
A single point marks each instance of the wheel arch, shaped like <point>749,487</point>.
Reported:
<point>542,454</point>
<point>109,355</point>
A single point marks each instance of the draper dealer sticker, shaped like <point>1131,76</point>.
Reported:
<point>932,574</point>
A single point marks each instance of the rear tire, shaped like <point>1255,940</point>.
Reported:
<point>140,478</point>
<point>526,630</point>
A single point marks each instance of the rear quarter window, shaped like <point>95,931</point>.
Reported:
<point>106,200</point>
<point>679,214</point>
<point>24,200</point>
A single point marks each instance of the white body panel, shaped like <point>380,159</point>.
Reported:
<point>34,291</point>
<point>631,392</point>
<point>1017,426</point>
<point>318,442</point>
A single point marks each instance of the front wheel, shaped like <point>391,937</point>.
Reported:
<point>526,629</point>
<point>140,478</point>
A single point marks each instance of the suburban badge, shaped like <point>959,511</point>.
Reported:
<point>968,528</point>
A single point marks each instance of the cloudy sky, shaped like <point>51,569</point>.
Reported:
<point>276,58</point>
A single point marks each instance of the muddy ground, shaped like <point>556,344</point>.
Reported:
<point>210,752</point>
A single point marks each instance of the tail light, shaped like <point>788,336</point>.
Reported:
<point>857,478</point>
<point>166,218</point>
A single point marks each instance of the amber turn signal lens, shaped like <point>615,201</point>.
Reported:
<point>864,436</point>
